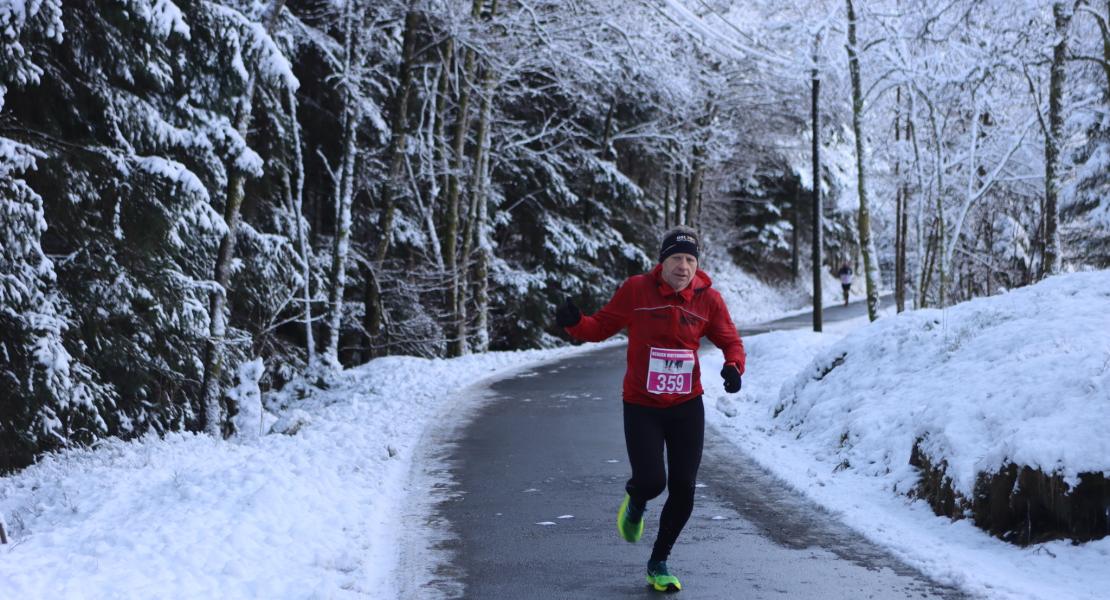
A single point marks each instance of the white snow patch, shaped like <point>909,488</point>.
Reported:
<point>1023,375</point>
<point>315,513</point>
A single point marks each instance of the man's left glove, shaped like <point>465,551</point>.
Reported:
<point>732,378</point>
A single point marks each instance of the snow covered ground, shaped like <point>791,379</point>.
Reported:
<point>1024,376</point>
<point>307,515</point>
<point>315,513</point>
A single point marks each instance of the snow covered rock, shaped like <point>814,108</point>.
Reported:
<point>1002,401</point>
<point>291,422</point>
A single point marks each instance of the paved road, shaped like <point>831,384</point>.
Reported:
<point>537,477</point>
<point>829,314</point>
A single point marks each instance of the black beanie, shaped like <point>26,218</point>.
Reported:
<point>679,241</point>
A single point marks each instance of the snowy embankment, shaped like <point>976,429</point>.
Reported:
<point>311,514</point>
<point>1023,377</point>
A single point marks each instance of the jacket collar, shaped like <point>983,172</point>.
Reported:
<point>700,281</point>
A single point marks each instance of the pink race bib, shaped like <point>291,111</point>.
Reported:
<point>670,371</point>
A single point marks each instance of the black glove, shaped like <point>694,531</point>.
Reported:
<point>732,378</point>
<point>568,314</point>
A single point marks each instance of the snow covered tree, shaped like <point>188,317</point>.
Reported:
<point>1061,15</point>
<point>265,60</point>
<point>1085,200</point>
<point>188,186</point>
<point>129,120</point>
<point>866,242</point>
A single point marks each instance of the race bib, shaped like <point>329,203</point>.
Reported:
<point>670,371</point>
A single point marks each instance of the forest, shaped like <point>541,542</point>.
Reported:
<point>190,187</point>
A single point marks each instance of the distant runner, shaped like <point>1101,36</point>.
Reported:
<point>845,274</point>
<point>666,311</point>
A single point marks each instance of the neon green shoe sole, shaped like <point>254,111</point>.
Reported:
<point>629,532</point>
<point>664,583</point>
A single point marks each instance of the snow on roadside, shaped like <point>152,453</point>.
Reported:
<point>1023,377</point>
<point>308,515</point>
<point>1030,369</point>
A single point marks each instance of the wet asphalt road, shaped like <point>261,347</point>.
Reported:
<point>829,314</point>
<point>539,471</point>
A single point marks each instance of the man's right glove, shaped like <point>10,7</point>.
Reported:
<point>732,378</point>
<point>568,314</point>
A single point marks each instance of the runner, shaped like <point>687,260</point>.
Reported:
<point>666,311</point>
<point>845,274</point>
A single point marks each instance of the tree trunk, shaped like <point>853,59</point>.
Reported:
<point>474,212</point>
<point>667,203</point>
<point>457,346</point>
<point>904,231</point>
<point>697,172</point>
<point>371,296</point>
<point>438,161</point>
<point>607,136</point>
<point>481,201</point>
<point>443,155</point>
<point>693,188</point>
<point>930,261</point>
<point>344,196</point>
<point>461,312</point>
<point>796,222</point>
<point>296,200</point>
<point>1104,29</point>
<point>394,182</point>
<point>900,211</point>
<point>899,247</point>
<point>919,217</point>
<point>1061,14</point>
<point>679,192</point>
<point>341,244</point>
<point>815,92</point>
<point>866,241</point>
<point>942,240</point>
<point>941,233</point>
<point>213,420</point>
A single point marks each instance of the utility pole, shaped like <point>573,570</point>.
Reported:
<point>815,93</point>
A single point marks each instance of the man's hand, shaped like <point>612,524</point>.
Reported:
<point>568,314</point>
<point>732,378</point>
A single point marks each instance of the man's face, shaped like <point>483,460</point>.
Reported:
<point>679,270</point>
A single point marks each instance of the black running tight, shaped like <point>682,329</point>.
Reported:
<point>647,430</point>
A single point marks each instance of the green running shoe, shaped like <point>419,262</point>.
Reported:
<point>660,578</point>
<point>630,520</point>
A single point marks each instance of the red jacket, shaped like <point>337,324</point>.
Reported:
<point>664,331</point>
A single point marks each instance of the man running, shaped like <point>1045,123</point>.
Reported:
<point>845,275</point>
<point>666,311</point>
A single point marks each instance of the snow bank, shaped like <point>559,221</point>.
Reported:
<point>310,514</point>
<point>1020,378</point>
<point>983,368</point>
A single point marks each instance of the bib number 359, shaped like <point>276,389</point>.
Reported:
<point>670,371</point>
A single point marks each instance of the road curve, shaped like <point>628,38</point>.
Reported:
<point>535,475</point>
